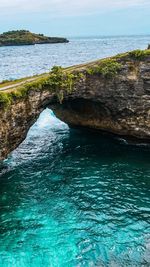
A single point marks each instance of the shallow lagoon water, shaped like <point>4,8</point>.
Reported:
<point>72,198</point>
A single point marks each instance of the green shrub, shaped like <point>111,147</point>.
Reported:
<point>58,81</point>
<point>108,68</point>
<point>139,54</point>
<point>5,99</point>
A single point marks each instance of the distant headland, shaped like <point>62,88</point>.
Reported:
<point>24,37</point>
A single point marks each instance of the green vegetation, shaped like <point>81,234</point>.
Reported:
<point>61,81</point>
<point>110,67</point>
<point>12,82</point>
<point>24,37</point>
<point>107,67</point>
<point>58,81</point>
<point>133,55</point>
<point>5,99</point>
<point>5,82</point>
<point>139,54</point>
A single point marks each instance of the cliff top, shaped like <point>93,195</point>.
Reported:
<point>59,78</point>
<point>24,37</point>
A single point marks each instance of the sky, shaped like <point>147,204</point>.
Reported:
<point>76,17</point>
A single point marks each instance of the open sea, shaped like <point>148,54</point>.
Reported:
<point>72,198</point>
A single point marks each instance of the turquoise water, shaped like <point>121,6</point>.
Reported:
<point>72,198</point>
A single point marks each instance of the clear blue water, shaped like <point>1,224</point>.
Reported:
<point>72,198</point>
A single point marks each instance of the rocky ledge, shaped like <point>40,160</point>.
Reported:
<point>112,94</point>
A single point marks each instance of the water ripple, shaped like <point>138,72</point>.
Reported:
<point>68,200</point>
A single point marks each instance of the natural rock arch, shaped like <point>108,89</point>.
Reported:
<point>111,95</point>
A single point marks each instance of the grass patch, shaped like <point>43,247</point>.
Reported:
<point>134,55</point>
<point>107,68</point>
<point>139,54</point>
<point>58,81</point>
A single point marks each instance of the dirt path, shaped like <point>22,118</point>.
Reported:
<point>16,84</point>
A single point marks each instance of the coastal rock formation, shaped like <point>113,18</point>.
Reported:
<point>16,120</point>
<point>111,95</point>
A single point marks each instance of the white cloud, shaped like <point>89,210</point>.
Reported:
<point>68,7</point>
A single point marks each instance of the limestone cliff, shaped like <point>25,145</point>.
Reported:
<point>111,95</point>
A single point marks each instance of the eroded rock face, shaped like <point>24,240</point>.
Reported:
<point>16,120</point>
<point>119,104</point>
